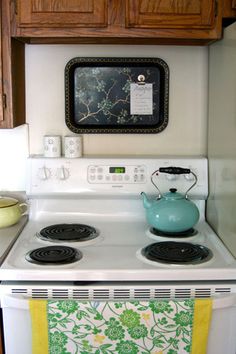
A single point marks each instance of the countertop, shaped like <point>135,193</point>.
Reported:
<point>8,235</point>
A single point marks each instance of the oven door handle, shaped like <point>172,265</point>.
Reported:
<point>18,302</point>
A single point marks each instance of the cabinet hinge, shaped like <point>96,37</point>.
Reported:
<point>4,101</point>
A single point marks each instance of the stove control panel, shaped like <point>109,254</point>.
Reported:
<point>127,176</point>
<point>117,174</point>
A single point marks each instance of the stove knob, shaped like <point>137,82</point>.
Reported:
<point>62,173</point>
<point>44,173</point>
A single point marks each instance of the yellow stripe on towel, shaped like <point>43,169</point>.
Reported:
<point>201,323</point>
<point>38,310</point>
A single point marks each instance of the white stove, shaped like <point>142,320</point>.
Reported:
<point>83,192</point>
<point>104,194</point>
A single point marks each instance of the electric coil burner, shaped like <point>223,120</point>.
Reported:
<point>187,233</point>
<point>176,253</point>
<point>68,233</point>
<point>54,255</point>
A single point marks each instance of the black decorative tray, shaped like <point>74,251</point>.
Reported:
<point>116,95</point>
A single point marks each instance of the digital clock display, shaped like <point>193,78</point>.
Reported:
<point>117,169</point>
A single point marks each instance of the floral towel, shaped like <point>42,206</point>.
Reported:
<point>128,327</point>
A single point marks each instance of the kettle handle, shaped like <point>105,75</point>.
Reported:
<point>174,171</point>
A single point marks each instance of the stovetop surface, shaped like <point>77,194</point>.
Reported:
<point>116,254</point>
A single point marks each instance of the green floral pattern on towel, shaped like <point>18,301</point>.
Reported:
<point>145,327</point>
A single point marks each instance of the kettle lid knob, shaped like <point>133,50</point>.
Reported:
<point>173,190</point>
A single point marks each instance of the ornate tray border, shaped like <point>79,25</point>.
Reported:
<point>107,129</point>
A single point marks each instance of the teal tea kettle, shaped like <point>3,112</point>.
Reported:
<point>172,212</point>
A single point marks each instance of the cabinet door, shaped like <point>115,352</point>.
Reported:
<point>1,78</point>
<point>1,99</point>
<point>234,4</point>
<point>12,75</point>
<point>170,13</point>
<point>62,13</point>
<point>1,72</point>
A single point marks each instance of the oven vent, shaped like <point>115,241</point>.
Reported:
<point>120,293</point>
<point>143,294</point>
<point>182,293</point>
<point>80,294</point>
<point>102,294</point>
<point>203,292</point>
<point>222,290</point>
<point>19,291</point>
<point>162,293</point>
<point>60,294</point>
<point>39,293</point>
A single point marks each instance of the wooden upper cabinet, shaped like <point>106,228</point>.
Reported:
<point>229,10</point>
<point>171,13</point>
<point>61,13</point>
<point>1,77</point>
<point>12,74</point>
<point>117,21</point>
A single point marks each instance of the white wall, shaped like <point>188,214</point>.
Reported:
<point>186,132</point>
<point>13,155</point>
<point>184,135</point>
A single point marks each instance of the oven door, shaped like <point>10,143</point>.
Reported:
<point>18,326</point>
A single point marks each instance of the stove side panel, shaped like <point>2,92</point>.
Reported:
<point>221,204</point>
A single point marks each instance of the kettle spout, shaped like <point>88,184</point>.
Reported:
<point>146,202</point>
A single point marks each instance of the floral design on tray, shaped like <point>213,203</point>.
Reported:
<point>102,95</point>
